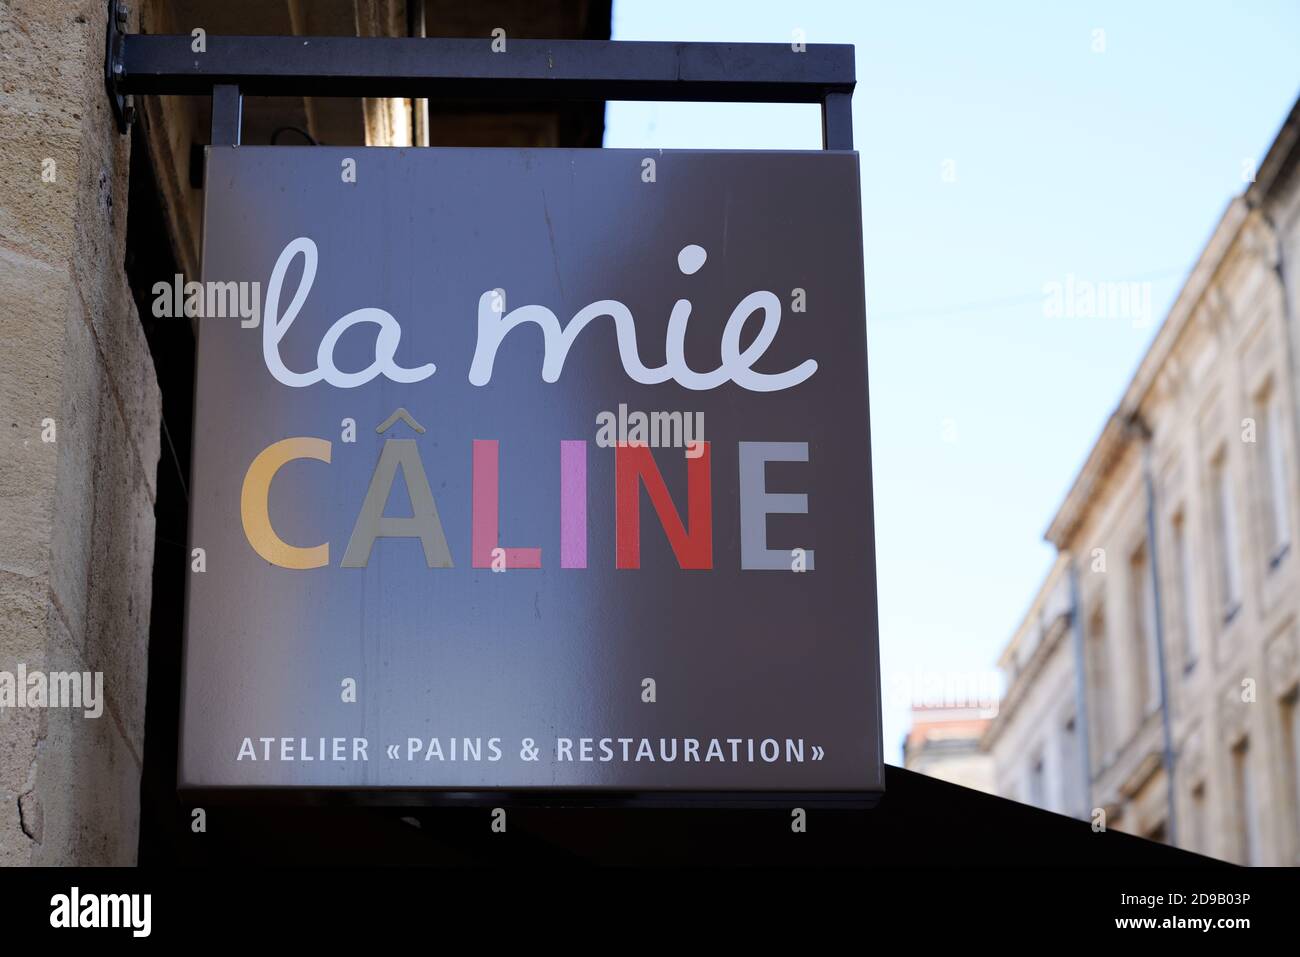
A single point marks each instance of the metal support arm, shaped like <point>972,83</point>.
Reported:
<point>469,69</point>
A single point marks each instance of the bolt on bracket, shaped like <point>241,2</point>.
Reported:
<point>123,105</point>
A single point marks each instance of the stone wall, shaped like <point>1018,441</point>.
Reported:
<point>76,513</point>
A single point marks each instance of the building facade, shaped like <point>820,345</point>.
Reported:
<point>1035,742</point>
<point>1154,682</point>
<point>946,743</point>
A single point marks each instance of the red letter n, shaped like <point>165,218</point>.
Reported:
<point>634,465</point>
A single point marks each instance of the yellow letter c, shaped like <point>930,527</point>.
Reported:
<point>254,506</point>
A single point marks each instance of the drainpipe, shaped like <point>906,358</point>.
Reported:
<point>1080,683</point>
<point>1283,271</point>
<point>1140,428</point>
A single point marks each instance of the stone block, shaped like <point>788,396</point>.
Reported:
<point>24,623</point>
<point>36,214</point>
<point>87,786</point>
<point>120,575</point>
<point>48,48</point>
<point>80,417</point>
<point>32,292</point>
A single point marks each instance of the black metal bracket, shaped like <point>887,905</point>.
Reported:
<point>469,69</point>
<point>122,104</point>
<point>227,114</point>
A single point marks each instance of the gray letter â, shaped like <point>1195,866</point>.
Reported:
<point>756,503</point>
<point>423,523</point>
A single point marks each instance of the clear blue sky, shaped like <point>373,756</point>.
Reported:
<point>1108,166</point>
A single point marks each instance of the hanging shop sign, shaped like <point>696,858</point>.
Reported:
<point>531,471</point>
